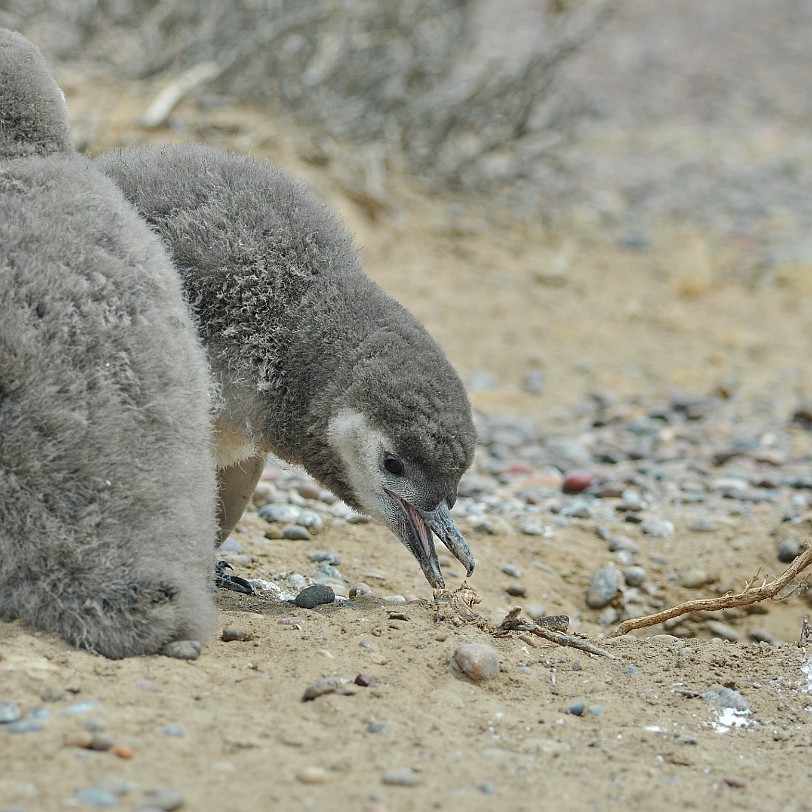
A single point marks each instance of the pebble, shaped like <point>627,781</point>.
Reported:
<point>605,585</point>
<point>512,570</point>
<point>365,681</point>
<point>477,661</point>
<point>789,550</point>
<point>166,799</point>
<point>234,633</point>
<point>183,649</point>
<point>576,481</point>
<point>295,532</point>
<point>328,685</point>
<point>401,778</point>
<point>693,579</point>
<point>282,513</point>
<point>312,775</point>
<point>517,590</point>
<point>26,725</point>
<point>376,727</point>
<point>310,519</point>
<point>577,708</point>
<point>657,528</point>
<point>703,526</point>
<point>325,557</point>
<point>230,545</point>
<point>309,490</point>
<point>174,731</point>
<point>359,590</point>
<point>81,707</point>
<point>634,576</point>
<point>487,788</point>
<point>315,595</point>
<point>9,712</point>
<point>719,629</point>
<point>96,796</point>
<point>122,750</point>
<point>726,698</point>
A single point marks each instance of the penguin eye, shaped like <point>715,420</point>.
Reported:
<point>393,464</point>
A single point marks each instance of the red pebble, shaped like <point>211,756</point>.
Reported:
<point>577,481</point>
<point>366,681</point>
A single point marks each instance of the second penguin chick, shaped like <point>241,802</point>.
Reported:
<point>315,363</point>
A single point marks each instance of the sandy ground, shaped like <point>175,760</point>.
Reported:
<point>230,730</point>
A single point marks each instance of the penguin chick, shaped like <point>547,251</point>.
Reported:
<point>314,362</point>
<point>107,484</point>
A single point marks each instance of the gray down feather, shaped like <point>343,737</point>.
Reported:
<point>107,485</point>
<point>294,328</point>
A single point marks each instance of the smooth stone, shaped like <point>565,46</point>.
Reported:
<point>312,775</point>
<point>576,481</point>
<point>376,727</point>
<point>535,611</point>
<point>719,629</point>
<point>183,649</point>
<point>693,579</point>
<point>283,513</point>
<point>703,526</point>
<point>476,661</point>
<point>577,708</point>
<point>595,710</point>
<point>230,545</point>
<point>634,576</point>
<point>788,550</point>
<point>605,585</point>
<point>326,557</point>
<point>295,532</point>
<point>401,778</point>
<point>486,788</point>
<point>24,726</point>
<point>9,712</point>
<point>96,796</point>
<point>533,528</point>
<point>173,731</point>
<point>310,519</point>
<point>234,634</point>
<point>726,698</point>
<point>166,799</point>
<point>309,490</point>
<point>315,595</point>
<point>657,528</point>
<point>512,570</point>
<point>81,707</point>
<point>516,590</point>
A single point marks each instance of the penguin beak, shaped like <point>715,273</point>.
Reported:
<point>416,534</point>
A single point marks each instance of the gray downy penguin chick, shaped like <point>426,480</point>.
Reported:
<point>107,482</point>
<point>314,362</point>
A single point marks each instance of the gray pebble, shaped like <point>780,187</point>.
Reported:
<point>523,669</point>
<point>719,629</point>
<point>577,708</point>
<point>401,778</point>
<point>96,796</point>
<point>517,590</point>
<point>165,799</point>
<point>486,788</point>
<point>9,712</point>
<point>328,685</point>
<point>376,727</point>
<point>283,513</point>
<point>477,661</point>
<point>657,528</point>
<point>578,509</point>
<point>533,528</point>
<point>693,579</point>
<point>230,545</point>
<point>295,532</point>
<point>512,570</point>
<point>535,611</point>
<point>183,649</point>
<point>326,557</point>
<point>595,710</point>
<point>634,576</point>
<point>726,698</point>
<point>703,525</point>
<point>310,519</point>
<point>81,707</point>
<point>762,636</point>
<point>26,725</point>
<point>173,731</point>
<point>788,550</point>
<point>315,595</point>
<point>605,585</point>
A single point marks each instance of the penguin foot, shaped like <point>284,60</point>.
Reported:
<point>224,580</point>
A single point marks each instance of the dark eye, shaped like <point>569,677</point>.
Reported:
<point>393,464</point>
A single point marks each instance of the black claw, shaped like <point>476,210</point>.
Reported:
<point>223,580</point>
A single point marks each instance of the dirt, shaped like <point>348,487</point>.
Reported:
<point>505,297</point>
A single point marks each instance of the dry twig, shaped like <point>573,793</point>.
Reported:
<point>748,596</point>
<point>550,630</point>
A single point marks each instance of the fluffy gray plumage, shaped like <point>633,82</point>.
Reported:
<point>107,483</point>
<point>313,360</point>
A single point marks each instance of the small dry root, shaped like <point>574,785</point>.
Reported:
<point>750,595</point>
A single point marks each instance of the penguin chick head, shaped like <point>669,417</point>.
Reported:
<point>33,114</point>
<point>380,476</point>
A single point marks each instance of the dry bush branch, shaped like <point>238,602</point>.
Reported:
<point>748,596</point>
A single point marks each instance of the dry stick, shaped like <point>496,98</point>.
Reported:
<point>752,595</point>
